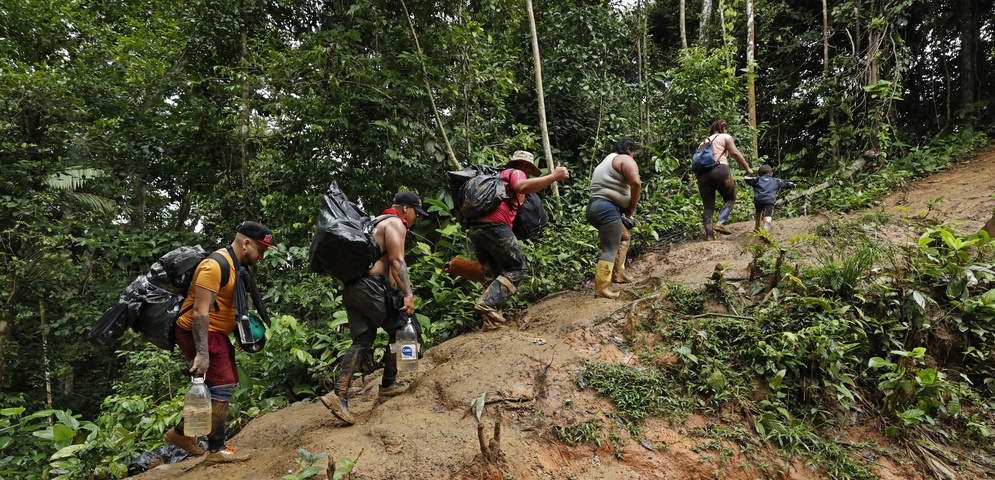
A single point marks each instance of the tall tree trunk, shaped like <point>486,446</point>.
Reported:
<point>644,36</point>
<point>969,35</point>
<point>684,26</point>
<point>428,91</point>
<point>44,353</point>
<point>706,12</point>
<point>537,60</point>
<point>243,118</point>
<point>139,203</point>
<point>465,71</point>
<point>644,115</point>
<point>725,38</point>
<point>876,38</point>
<point>825,76</point>
<point>751,93</point>
<point>825,38</point>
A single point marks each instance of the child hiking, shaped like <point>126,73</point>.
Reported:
<point>765,188</point>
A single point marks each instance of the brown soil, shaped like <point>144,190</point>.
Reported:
<point>529,376</point>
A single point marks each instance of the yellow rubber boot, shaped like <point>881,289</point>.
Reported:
<point>620,275</point>
<point>603,279</point>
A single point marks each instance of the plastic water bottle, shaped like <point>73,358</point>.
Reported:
<point>407,347</point>
<point>197,409</point>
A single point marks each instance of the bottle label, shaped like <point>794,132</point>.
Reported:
<point>409,352</point>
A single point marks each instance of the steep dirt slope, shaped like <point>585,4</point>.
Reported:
<point>529,376</point>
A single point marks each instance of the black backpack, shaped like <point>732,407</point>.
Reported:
<point>343,245</point>
<point>531,218</point>
<point>477,190</point>
<point>151,304</point>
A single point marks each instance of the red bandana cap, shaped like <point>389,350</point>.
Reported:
<point>257,232</point>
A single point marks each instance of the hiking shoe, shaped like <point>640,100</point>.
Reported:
<point>227,455</point>
<point>188,444</point>
<point>393,390</point>
<point>721,228</point>
<point>338,406</point>
<point>493,320</point>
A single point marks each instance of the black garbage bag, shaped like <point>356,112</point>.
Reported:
<point>477,190</point>
<point>151,303</point>
<point>162,455</point>
<point>111,325</point>
<point>174,270</point>
<point>343,244</point>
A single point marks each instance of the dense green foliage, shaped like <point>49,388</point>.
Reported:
<point>865,326</point>
<point>130,128</point>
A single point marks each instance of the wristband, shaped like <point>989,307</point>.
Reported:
<point>406,295</point>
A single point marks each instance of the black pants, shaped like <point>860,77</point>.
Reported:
<point>718,179</point>
<point>369,305</point>
<point>500,256</point>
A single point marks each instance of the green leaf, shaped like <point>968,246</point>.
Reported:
<point>67,451</point>
<point>878,362</point>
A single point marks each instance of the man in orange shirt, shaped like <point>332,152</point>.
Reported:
<point>202,334</point>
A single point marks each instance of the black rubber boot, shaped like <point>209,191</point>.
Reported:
<point>218,452</point>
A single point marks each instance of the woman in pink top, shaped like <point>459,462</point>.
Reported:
<point>719,178</point>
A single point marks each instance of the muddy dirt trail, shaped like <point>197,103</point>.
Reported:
<point>529,376</point>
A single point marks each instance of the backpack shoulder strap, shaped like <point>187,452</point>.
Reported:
<point>376,221</point>
<point>225,274</point>
<point>225,266</point>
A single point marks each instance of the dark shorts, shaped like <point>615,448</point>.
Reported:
<point>601,211</point>
<point>764,209</point>
<point>222,369</point>
<point>369,303</point>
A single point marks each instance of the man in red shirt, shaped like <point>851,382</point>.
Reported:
<point>497,249</point>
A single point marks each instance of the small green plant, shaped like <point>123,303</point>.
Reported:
<point>343,468</point>
<point>576,433</point>
<point>635,392</point>
<point>842,270</point>
<point>306,463</point>
<point>685,300</point>
<point>776,423</point>
<point>913,394</point>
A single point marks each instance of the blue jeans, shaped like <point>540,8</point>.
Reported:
<point>606,216</point>
<point>601,211</point>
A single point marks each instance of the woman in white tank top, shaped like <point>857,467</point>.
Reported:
<point>615,188</point>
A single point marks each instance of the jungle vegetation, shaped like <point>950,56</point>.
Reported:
<point>130,128</point>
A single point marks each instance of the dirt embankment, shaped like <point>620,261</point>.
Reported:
<point>529,376</point>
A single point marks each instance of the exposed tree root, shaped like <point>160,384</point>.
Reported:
<point>491,449</point>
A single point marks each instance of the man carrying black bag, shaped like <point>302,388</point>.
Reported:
<point>209,316</point>
<point>375,300</point>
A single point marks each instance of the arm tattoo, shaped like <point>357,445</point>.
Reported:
<point>401,270</point>
<point>201,325</point>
